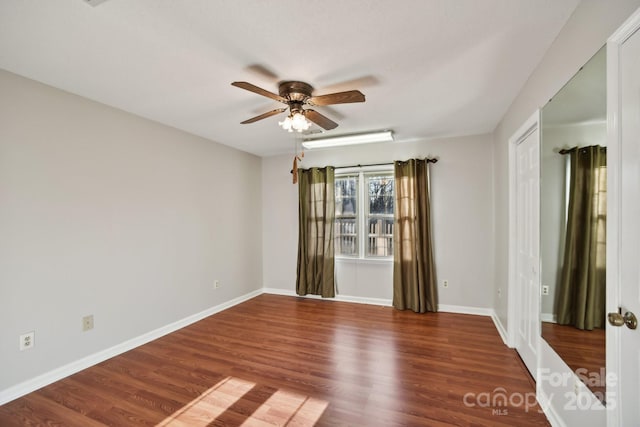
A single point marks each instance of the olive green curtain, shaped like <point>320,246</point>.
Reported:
<point>582,289</point>
<point>414,273</point>
<point>316,214</point>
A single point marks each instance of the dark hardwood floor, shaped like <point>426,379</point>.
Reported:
<point>583,351</point>
<point>277,360</point>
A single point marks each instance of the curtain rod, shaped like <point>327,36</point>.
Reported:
<point>380,164</point>
<point>428,160</point>
<point>567,150</point>
<point>571,150</point>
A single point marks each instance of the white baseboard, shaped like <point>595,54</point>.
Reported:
<point>548,317</point>
<point>462,309</point>
<point>478,311</point>
<point>501,329</point>
<point>341,298</point>
<point>363,300</point>
<point>57,374</point>
<point>545,403</point>
<point>278,291</point>
<point>459,309</point>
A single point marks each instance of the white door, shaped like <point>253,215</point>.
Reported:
<point>623,229</point>
<point>628,278</point>
<point>527,244</point>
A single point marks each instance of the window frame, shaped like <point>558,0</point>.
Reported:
<point>362,211</point>
<point>355,216</point>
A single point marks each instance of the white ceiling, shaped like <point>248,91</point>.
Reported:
<point>428,68</point>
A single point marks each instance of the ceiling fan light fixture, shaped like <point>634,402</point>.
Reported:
<point>360,138</point>
<point>296,121</point>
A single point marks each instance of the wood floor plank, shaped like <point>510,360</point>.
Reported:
<point>583,351</point>
<point>278,360</point>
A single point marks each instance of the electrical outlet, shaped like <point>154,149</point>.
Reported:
<point>445,283</point>
<point>27,340</point>
<point>545,290</point>
<point>216,284</point>
<point>499,293</point>
<point>87,323</point>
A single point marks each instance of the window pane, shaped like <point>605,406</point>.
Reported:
<point>380,215</point>
<point>380,194</point>
<point>380,237</point>
<point>346,242</point>
<point>346,225</point>
<point>346,195</point>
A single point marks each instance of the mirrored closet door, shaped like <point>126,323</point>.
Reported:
<point>573,215</point>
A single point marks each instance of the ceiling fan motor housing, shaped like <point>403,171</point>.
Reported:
<point>295,91</point>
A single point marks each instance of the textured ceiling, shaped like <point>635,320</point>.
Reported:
<point>428,68</point>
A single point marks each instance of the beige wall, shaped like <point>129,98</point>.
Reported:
<point>462,212</point>
<point>105,213</point>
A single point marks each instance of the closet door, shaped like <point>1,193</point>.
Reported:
<point>623,226</point>
<point>527,242</point>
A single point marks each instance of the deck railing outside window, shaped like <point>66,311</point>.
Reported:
<point>364,215</point>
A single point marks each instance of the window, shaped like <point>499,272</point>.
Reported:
<point>364,214</point>
<point>380,214</point>
<point>346,215</point>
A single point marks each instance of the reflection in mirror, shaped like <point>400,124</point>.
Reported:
<point>572,222</point>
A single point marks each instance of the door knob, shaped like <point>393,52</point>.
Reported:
<point>629,319</point>
<point>616,319</point>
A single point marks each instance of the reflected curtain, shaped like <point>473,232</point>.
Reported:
<point>316,213</point>
<point>414,275</point>
<point>582,290</point>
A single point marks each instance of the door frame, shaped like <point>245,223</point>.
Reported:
<point>527,128</point>
<point>613,349</point>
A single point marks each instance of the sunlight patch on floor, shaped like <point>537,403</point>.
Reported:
<point>282,408</point>
<point>285,408</point>
<point>210,404</point>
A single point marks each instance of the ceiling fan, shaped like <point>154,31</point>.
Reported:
<point>296,95</point>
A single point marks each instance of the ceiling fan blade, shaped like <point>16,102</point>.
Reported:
<point>264,116</point>
<point>259,91</point>
<point>361,82</point>
<point>337,98</point>
<point>322,121</point>
<point>263,71</point>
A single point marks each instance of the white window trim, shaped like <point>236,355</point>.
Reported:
<point>361,214</point>
<point>353,260</point>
